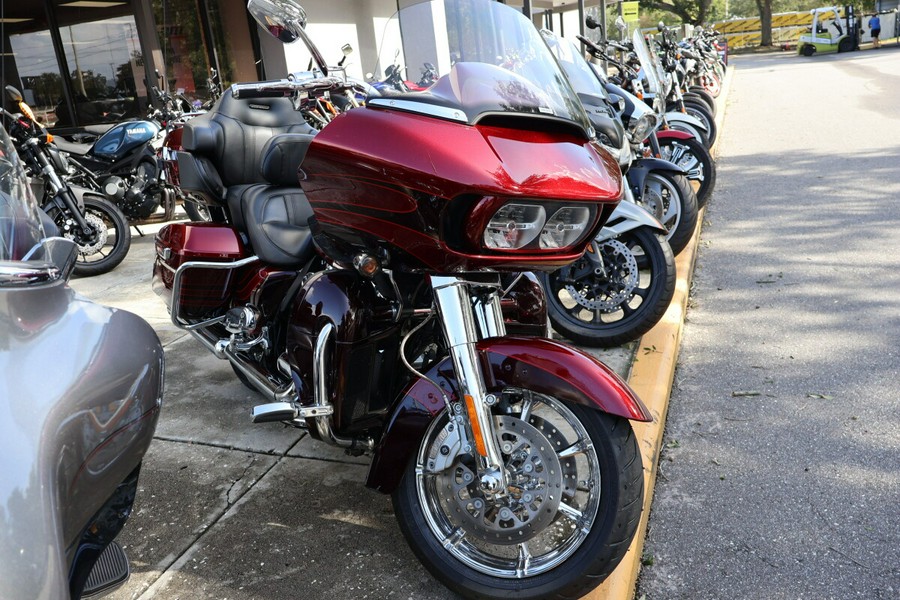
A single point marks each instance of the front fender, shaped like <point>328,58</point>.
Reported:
<point>641,167</point>
<point>673,134</point>
<point>675,116</point>
<point>536,364</point>
<point>626,217</point>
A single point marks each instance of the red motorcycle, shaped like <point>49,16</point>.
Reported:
<point>366,301</point>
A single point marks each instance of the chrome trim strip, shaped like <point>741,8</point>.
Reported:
<point>422,108</point>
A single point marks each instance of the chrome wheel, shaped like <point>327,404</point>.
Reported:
<point>660,197</point>
<point>548,508</point>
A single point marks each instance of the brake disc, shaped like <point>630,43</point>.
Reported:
<point>608,293</point>
<point>535,487</point>
<point>92,245</point>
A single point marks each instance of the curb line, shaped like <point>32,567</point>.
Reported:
<point>652,374</point>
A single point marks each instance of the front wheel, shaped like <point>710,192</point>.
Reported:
<point>571,508</point>
<point>615,293</point>
<point>670,198</point>
<point>696,161</point>
<point>108,242</point>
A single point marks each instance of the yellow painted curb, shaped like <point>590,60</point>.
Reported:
<point>651,379</point>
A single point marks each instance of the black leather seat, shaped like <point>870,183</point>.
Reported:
<point>247,154</point>
<point>232,135</point>
<point>275,215</point>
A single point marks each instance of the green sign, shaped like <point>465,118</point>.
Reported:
<point>630,11</point>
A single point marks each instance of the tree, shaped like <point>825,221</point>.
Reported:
<point>765,21</point>
<point>694,12</point>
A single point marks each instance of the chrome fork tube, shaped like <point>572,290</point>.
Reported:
<point>489,316</point>
<point>461,330</point>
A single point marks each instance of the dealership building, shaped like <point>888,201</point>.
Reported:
<point>85,64</point>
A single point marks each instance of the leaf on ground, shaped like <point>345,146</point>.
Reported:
<point>743,393</point>
<point>820,396</point>
<point>766,281</point>
<point>647,560</point>
<point>673,444</point>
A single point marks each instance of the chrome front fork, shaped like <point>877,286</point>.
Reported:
<point>465,321</point>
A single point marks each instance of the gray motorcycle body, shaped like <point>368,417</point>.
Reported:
<point>79,400</point>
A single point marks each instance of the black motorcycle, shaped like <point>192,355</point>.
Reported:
<point>122,164</point>
<point>97,227</point>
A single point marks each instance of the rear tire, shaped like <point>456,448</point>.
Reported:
<point>612,309</point>
<point>196,210</point>
<point>603,485</point>
<point>845,45</point>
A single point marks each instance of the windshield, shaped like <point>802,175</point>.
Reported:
<point>20,224</point>
<point>581,75</point>
<point>650,67</point>
<point>469,60</point>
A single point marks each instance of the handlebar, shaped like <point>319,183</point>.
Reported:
<point>279,88</point>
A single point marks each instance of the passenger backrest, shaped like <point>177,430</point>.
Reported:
<point>232,134</point>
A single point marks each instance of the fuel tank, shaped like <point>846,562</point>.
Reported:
<point>124,137</point>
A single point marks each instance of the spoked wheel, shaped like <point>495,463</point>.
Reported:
<point>671,199</point>
<point>566,518</point>
<point>108,243</point>
<point>615,293</point>
<point>712,84</point>
<point>693,157</point>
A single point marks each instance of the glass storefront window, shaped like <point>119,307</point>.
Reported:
<point>192,36</point>
<point>103,58</point>
<point>39,73</point>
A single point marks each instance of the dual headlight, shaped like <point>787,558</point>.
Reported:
<point>515,226</point>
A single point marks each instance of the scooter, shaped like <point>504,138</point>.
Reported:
<point>71,444</point>
<point>358,288</point>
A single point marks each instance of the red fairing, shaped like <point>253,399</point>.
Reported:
<point>393,177</point>
<point>672,134</point>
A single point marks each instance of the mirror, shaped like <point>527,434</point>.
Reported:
<point>591,23</point>
<point>661,26</point>
<point>285,20</point>
<point>620,24</point>
<point>13,94</point>
<point>618,102</point>
<point>281,18</point>
<point>347,49</point>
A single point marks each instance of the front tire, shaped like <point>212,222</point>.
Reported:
<point>693,157</point>
<point>670,198</point>
<point>621,303</point>
<point>107,247</point>
<point>538,544</point>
